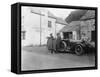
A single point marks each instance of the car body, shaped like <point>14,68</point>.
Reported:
<point>77,46</point>
<point>67,45</point>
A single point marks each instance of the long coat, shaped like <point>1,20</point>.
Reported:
<point>51,43</point>
<point>58,41</point>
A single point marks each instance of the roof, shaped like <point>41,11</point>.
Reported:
<point>88,15</point>
<point>51,15</point>
<point>72,27</point>
<point>61,21</point>
<point>69,28</point>
<point>75,18</point>
<point>75,15</point>
<point>75,23</point>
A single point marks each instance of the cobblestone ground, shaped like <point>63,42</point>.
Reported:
<point>37,58</point>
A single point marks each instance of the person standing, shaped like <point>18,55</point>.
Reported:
<point>50,43</point>
<point>58,41</point>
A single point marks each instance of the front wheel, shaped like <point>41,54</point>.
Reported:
<point>79,50</point>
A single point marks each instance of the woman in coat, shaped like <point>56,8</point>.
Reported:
<point>51,43</point>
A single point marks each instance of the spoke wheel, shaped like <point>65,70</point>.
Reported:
<point>79,50</point>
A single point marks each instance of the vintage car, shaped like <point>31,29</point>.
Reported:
<point>77,46</point>
<point>67,45</point>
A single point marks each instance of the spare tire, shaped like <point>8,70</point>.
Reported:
<point>63,45</point>
<point>79,50</point>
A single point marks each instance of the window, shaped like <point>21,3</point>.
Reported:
<point>49,24</point>
<point>23,35</point>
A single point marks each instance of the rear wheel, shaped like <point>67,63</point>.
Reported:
<point>79,50</point>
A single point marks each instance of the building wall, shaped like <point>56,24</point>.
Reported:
<point>32,27</point>
<point>88,26</point>
<point>46,31</point>
<point>75,29</point>
<point>36,27</point>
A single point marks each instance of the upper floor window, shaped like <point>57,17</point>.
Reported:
<point>49,24</point>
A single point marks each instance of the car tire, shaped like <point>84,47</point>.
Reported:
<point>63,45</point>
<point>79,50</point>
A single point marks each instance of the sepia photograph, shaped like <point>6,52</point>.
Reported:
<point>56,38</point>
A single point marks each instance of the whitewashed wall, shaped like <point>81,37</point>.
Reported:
<point>32,28</point>
<point>47,31</point>
<point>32,23</point>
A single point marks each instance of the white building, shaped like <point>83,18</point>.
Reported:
<point>37,24</point>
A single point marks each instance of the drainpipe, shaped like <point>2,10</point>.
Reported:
<point>40,28</point>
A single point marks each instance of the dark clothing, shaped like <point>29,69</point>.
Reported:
<point>58,41</point>
<point>51,43</point>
